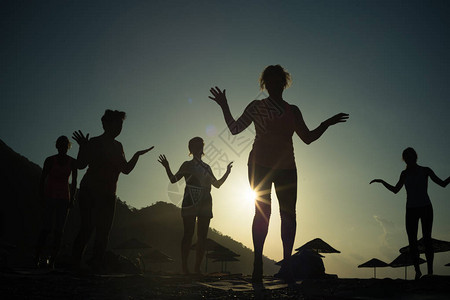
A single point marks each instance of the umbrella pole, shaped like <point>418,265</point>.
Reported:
<point>405,271</point>
<point>375,272</point>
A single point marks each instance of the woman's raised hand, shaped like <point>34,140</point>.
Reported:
<point>139,153</point>
<point>163,160</point>
<point>339,118</point>
<point>376,180</point>
<point>79,137</point>
<point>230,165</point>
<point>218,96</point>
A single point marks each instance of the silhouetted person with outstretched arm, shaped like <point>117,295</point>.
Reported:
<point>97,195</point>
<point>56,197</point>
<point>272,157</point>
<point>197,201</point>
<point>418,205</point>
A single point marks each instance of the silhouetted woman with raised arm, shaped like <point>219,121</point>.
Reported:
<point>197,201</point>
<point>418,205</point>
<point>97,196</point>
<point>272,157</point>
<point>56,196</point>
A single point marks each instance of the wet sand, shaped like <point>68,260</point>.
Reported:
<point>38,284</point>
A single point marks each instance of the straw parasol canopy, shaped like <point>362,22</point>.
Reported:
<point>438,246</point>
<point>298,253</point>
<point>210,245</point>
<point>132,244</point>
<point>374,263</point>
<point>156,256</point>
<point>319,246</point>
<point>222,253</point>
<point>223,260</point>
<point>404,260</point>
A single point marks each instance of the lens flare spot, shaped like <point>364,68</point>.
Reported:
<point>211,130</point>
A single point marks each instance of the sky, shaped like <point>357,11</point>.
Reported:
<point>386,63</point>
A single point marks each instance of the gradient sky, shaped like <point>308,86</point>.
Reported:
<point>386,63</point>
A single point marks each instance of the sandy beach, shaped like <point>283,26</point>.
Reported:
<point>55,284</point>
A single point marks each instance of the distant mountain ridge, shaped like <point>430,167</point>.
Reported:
<point>159,225</point>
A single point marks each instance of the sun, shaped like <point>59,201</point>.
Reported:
<point>250,195</point>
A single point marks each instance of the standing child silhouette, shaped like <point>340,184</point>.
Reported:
<point>197,201</point>
<point>418,205</point>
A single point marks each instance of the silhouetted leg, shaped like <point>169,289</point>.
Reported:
<point>103,219</point>
<point>427,226</point>
<point>47,223</point>
<point>412,224</point>
<point>286,189</point>
<point>40,244</point>
<point>55,249</point>
<point>186,242</point>
<point>60,220</point>
<point>86,227</point>
<point>261,183</point>
<point>202,233</point>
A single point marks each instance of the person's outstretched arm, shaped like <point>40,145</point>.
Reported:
<point>309,136</point>
<point>436,179</point>
<point>395,189</point>
<point>217,183</point>
<point>235,126</point>
<point>173,178</point>
<point>83,152</point>
<point>129,166</point>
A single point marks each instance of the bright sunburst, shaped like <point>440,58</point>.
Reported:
<point>250,195</point>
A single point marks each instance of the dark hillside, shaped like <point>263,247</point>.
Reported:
<point>159,225</point>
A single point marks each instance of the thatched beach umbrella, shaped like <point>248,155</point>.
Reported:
<point>438,246</point>
<point>297,254</point>
<point>156,256</point>
<point>223,260</point>
<point>210,245</point>
<point>404,260</point>
<point>222,253</point>
<point>374,263</point>
<point>132,244</point>
<point>319,246</point>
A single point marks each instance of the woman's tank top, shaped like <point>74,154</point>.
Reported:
<point>274,126</point>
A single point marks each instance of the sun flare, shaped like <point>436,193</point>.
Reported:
<point>250,195</point>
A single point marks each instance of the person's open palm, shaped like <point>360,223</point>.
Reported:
<point>218,96</point>
<point>79,137</point>
<point>339,118</point>
<point>144,151</point>
<point>163,160</point>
